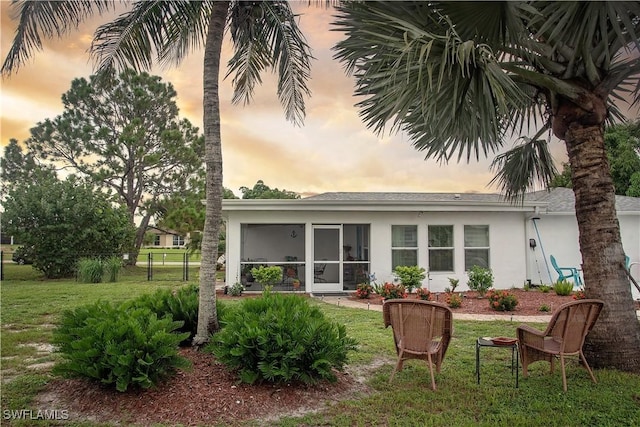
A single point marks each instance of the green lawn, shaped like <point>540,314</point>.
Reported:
<point>31,306</point>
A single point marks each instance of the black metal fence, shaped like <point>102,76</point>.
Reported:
<point>159,266</point>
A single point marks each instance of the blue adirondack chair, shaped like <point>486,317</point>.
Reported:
<point>567,272</point>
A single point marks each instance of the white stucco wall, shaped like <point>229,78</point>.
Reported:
<point>558,236</point>
<point>508,232</point>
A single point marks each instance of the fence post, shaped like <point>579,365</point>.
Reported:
<point>149,266</point>
<point>185,267</point>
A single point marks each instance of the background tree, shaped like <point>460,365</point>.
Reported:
<point>122,132</point>
<point>622,143</point>
<point>262,191</point>
<point>18,167</point>
<point>265,35</point>
<point>461,77</point>
<point>62,221</point>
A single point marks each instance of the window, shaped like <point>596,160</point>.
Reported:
<point>404,245</point>
<point>156,240</point>
<point>476,246</point>
<point>440,247</point>
<point>178,240</point>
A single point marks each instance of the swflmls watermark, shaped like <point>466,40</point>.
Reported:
<point>40,414</point>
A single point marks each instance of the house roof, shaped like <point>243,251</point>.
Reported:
<point>364,201</point>
<point>557,200</point>
<point>562,200</point>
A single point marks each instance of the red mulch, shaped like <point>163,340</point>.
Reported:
<point>529,302</point>
<point>204,395</point>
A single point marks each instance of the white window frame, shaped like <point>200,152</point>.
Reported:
<point>450,249</point>
<point>487,247</point>
<point>404,248</point>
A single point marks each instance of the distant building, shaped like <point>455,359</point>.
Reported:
<point>166,238</point>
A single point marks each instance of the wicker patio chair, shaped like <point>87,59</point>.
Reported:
<point>564,336</point>
<point>421,330</point>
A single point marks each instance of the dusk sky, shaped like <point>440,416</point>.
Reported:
<point>333,151</point>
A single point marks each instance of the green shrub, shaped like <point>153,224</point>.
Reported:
<point>544,288</point>
<point>410,276</point>
<point>280,338</point>
<point>90,270</point>
<point>480,280</point>
<point>563,287</point>
<point>118,346</point>
<point>544,308</point>
<point>235,290</point>
<point>267,276</point>
<point>112,267</point>
<point>181,305</point>
<point>502,300</point>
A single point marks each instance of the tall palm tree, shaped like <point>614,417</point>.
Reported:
<point>462,77</point>
<point>265,35</point>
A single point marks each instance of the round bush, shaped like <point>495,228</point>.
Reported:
<point>502,300</point>
<point>281,338</point>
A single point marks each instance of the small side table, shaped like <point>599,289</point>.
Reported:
<point>515,363</point>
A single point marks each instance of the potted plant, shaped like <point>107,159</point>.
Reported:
<point>268,277</point>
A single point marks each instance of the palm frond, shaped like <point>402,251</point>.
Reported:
<point>167,30</point>
<point>450,95</point>
<point>266,35</point>
<point>523,167</point>
<point>48,19</point>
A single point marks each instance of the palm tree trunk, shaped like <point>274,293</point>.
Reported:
<point>615,339</point>
<point>207,316</point>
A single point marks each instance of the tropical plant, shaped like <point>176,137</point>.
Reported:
<point>462,90</point>
<point>563,287</point>
<point>410,276</point>
<point>281,338</point>
<point>181,305</point>
<point>265,35</point>
<point>119,347</point>
<point>480,280</point>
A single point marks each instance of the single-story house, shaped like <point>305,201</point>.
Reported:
<point>333,241</point>
<point>166,238</point>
